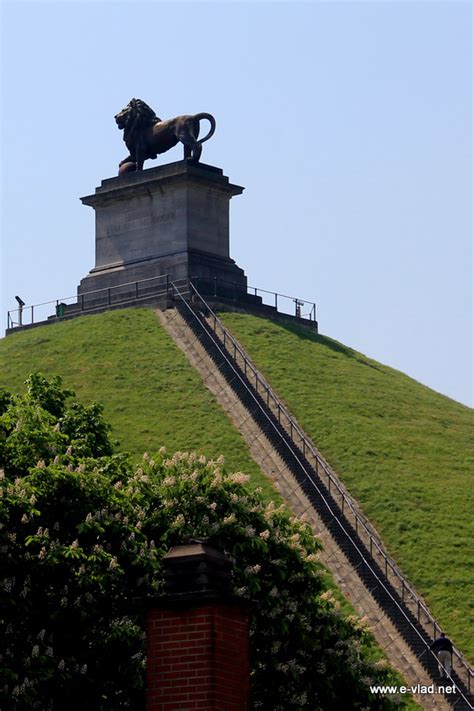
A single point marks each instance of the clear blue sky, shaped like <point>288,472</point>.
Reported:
<point>349,124</point>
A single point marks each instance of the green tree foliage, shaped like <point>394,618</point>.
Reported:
<point>82,534</point>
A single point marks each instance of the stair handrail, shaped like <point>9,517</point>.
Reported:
<point>420,604</point>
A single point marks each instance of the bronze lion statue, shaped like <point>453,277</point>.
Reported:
<point>146,135</point>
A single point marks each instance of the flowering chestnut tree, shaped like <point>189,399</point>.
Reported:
<point>82,535</point>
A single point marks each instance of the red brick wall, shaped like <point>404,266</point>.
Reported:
<point>198,658</point>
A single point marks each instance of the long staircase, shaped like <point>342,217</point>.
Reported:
<point>401,621</point>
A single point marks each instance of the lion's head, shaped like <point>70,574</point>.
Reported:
<point>135,114</point>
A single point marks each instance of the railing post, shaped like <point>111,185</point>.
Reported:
<point>32,313</point>
<point>276,301</point>
<point>108,296</point>
<point>136,289</point>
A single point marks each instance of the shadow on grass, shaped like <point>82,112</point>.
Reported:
<point>305,334</point>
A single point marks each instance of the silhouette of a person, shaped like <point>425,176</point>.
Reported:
<point>443,649</point>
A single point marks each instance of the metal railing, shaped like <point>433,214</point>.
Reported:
<point>298,305</point>
<point>284,304</point>
<point>89,301</point>
<point>349,509</point>
<point>143,289</point>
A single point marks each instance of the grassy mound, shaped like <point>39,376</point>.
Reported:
<point>127,362</point>
<point>366,418</point>
<point>404,451</point>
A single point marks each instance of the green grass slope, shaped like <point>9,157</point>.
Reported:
<point>151,395</point>
<point>404,451</point>
<point>126,361</point>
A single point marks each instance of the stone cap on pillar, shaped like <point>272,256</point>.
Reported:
<point>196,570</point>
<point>154,179</point>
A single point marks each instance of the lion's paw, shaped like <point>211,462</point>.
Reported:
<point>127,168</point>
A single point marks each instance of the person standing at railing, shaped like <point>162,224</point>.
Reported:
<point>443,649</point>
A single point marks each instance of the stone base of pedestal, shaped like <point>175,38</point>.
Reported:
<point>205,268</point>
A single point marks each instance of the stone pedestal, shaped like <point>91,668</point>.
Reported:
<point>169,222</point>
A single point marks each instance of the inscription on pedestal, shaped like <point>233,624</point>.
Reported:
<point>139,223</point>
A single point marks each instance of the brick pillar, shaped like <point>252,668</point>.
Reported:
<point>197,637</point>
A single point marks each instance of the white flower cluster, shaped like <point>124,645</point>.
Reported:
<point>253,569</point>
<point>239,478</point>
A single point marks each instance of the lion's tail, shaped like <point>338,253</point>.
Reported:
<point>212,121</point>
